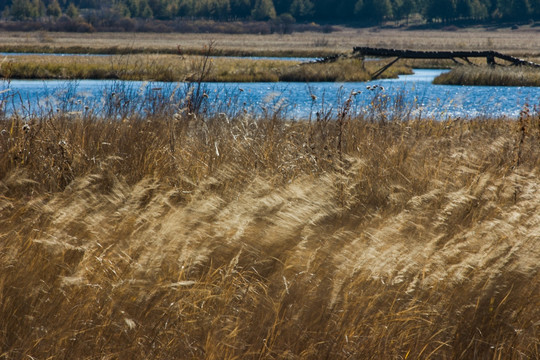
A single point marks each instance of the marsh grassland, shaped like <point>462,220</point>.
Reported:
<point>193,235</point>
<point>174,68</point>
<point>522,42</point>
<point>491,76</point>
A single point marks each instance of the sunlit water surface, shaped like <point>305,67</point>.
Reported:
<point>408,96</point>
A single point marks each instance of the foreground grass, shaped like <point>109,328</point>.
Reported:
<point>491,76</point>
<point>186,68</point>
<point>225,237</point>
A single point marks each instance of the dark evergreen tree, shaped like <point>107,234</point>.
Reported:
<point>374,10</point>
<point>345,9</point>
<point>503,9</point>
<point>54,9</point>
<point>535,9</point>
<point>479,10</point>
<point>301,9</point>
<point>186,8</point>
<point>146,11</point>
<point>326,10</point>
<point>520,10</point>
<point>441,9</point>
<point>121,9</point>
<point>134,7</point>
<point>282,6</point>
<point>72,11</point>
<point>359,7</point>
<point>263,10</point>
<point>463,8</point>
<point>89,4</point>
<point>240,8</point>
<point>405,9</point>
<point>216,9</point>
<point>22,9</point>
<point>159,8</point>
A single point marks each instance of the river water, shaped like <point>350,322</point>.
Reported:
<point>408,96</point>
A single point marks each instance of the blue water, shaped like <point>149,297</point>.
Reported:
<point>409,96</point>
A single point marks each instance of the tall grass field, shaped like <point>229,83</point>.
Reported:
<point>188,234</point>
<point>522,42</point>
<point>174,68</point>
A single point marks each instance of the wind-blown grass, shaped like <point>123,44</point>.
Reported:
<point>184,235</point>
<point>491,76</point>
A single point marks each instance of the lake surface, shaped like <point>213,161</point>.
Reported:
<point>406,97</point>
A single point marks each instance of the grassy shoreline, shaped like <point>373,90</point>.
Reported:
<point>238,236</point>
<point>144,48</point>
<point>489,76</point>
<point>175,68</point>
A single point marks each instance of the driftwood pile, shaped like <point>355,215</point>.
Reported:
<point>491,56</point>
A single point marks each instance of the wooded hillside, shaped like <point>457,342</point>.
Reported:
<point>333,11</point>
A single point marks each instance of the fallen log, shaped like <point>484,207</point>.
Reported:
<point>450,55</point>
<point>412,54</point>
<point>490,56</point>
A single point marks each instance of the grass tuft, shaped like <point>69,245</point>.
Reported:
<point>491,76</point>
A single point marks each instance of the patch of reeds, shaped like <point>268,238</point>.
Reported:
<point>184,68</point>
<point>172,50</point>
<point>340,71</point>
<point>185,234</point>
<point>491,76</point>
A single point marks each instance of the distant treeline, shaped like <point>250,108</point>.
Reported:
<point>97,13</point>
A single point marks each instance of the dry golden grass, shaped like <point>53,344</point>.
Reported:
<point>140,67</point>
<point>175,68</point>
<point>184,236</point>
<point>522,41</point>
<point>491,76</point>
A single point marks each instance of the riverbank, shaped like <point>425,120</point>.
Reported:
<point>256,237</point>
<point>175,68</point>
<point>490,76</point>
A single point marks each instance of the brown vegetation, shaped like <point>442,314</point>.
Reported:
<point>491,76</point>
<point>176,68</point>
<point>223,237</point>
<point>523,42</point>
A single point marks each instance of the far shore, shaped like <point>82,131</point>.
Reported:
<point>521,42</point>
<point>173,56</point>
